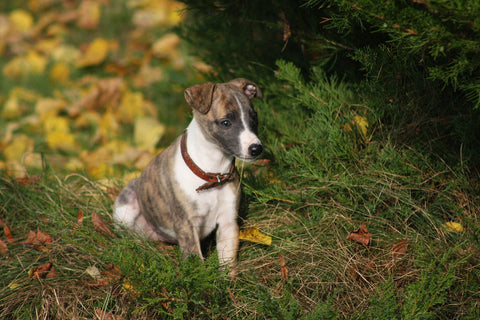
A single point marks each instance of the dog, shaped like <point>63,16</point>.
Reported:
<point>192,187</point>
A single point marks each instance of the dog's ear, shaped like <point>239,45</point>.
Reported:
<point>250,88</point>
<point>200,96</point>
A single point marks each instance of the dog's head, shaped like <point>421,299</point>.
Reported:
<point>226,115</point>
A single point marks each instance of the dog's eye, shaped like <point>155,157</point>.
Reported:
<point>226,123</point>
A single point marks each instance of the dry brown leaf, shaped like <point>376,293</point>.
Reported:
<point>3,248</point>
<point>28,181</point>
<point>106,277</point>
<point>283,268</point>
<point>40,240</point>
<point>89,14</point>
<point>80,217</point>
<point>9,235</point>
<point>45,271</point>
<point>104,93</point>
<point>400,247</point>
<point>104,315</point>
<point>100,225</point>
<point>361,235</point>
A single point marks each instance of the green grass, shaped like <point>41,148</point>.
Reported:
<point>321,183</point>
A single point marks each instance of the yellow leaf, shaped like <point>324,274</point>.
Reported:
<point>131,106</point>
<point>108,127</point>
<point>165,46</point>
<point>175,12</point>
<point>25,94</point>
<point>96,53</point>
<point>12,108</point>
<point>74,164</point>
<point>362,124</point>
<point>58,133</point>
<point>254,235</point>
<point>21,19</point>
<point>52,123</point>
<point>150,18</point>
<point>130,289</point>
<point>100,171</point>
<point>89,14</point>
<point>453,226</point>
<point>18,147</point>
<point>31,63</point>
<point>60,73</point>
<point>48,46</point>
<point>66,54</point>
<point>49,106</point>
<point>147,132</point>
<point>59,140</point>
<point>14,285</point>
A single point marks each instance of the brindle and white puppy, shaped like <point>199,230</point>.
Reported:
<point>164,203</point>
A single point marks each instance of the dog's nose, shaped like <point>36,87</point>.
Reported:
<point>255,149</point>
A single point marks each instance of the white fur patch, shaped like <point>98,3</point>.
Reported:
<point>247,137</point>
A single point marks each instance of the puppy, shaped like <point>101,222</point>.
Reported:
<point>192,188</point>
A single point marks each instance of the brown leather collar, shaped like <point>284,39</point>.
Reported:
<point>213,179</point>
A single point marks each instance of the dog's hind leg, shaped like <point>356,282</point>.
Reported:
<point>126,210</point>
<point>127,213</point>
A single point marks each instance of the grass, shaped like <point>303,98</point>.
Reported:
<point>320,182</point>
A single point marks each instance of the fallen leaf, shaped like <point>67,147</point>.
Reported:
<point>130,289</point>
<point>12,108</point>
<point>147,132</point>
<point>103,94</point>
<point>28,181</point>
<point>104,315</point>
<point>20,145</point>
<point>60,73</point>
<point>400,247</point>
<point>104,278</point>
<point>45,271</point>
<point>452,226</point>
<point>57,131</point>
<point>58,140</point>
<point>89,14</point>
<point>40,240</point>
<point>254,235</point>
<point>9,235</point>
<point>165,46</point>
<point>93,272</point>
<point>49,106</point>
<point>112,273</point>
<point>362,124</point>
<point>66,54</point>
<point>361,235</point>
<point>132,105</point>
<point>100,225</point>
<point>3,248</point>
<point>21,20</point>
<point>95,54</point>
<point>283,268</point>
<point>25,65</point>
<point>80,217</point>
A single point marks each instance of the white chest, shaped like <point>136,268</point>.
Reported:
<point>210,207</point>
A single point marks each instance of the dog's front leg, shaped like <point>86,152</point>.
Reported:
<point>188,240</point>
<point>227,242</point>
